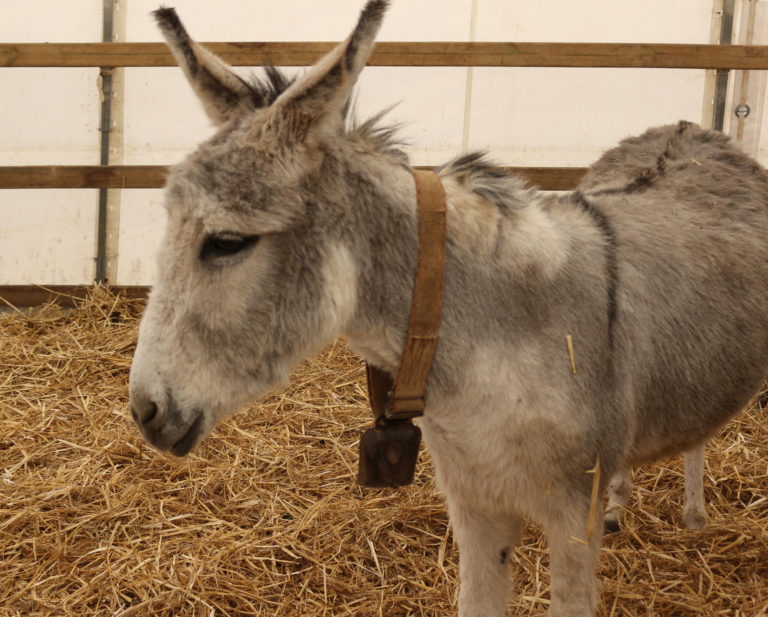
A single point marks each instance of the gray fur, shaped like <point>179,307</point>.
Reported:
<point>655,266</point>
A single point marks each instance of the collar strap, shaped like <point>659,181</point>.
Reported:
<point>405,398</point>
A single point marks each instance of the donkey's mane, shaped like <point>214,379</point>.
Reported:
<point>267,89</point>
<point>378,137</point>
<point>474,170</point>
<point>480,175</point>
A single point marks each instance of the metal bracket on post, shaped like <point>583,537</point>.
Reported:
<point>749,86</point>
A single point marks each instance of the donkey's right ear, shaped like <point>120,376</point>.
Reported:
<point>222,92</point>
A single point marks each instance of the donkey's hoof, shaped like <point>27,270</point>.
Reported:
<point>611,525</point>
<point>695,519</point>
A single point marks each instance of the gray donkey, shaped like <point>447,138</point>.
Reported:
<point>292,226</point>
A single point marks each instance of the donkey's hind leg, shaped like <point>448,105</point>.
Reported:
<point>485,542</point>
<point>619,491</point>
<point>694,510</point>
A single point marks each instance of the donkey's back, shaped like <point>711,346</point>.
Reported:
<point>689,214</point>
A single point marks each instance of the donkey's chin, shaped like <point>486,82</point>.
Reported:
<point>191,438</point>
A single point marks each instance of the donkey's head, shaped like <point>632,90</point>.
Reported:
<point>252,241</point>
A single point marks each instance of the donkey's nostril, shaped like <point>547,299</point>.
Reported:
<point>151,412</point>
<point>143,412</point>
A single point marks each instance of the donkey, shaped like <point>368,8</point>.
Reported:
<point>293,225</point>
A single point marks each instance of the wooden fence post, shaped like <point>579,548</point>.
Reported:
<point>746,112</point>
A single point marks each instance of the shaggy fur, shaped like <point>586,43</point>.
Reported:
<point>655,267</point>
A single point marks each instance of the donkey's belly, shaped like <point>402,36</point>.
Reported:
<point>678,415</point>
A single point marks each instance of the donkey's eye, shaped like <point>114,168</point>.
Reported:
<point>219,245</point>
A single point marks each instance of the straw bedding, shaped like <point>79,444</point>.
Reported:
<point>265,517</point>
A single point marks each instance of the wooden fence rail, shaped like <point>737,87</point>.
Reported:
<point>598,55</point>
<point>82,176</point>
<point>67,295</point>
<point>153,176</point>
<point>609,55</point>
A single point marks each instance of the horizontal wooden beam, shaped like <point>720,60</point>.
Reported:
<point>82,176</point>
<point>612,55</point>
<point>153,176</point>
<point>22,296</point>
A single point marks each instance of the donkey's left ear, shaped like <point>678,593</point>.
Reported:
<point>318,99</point>
<point>222,91</point>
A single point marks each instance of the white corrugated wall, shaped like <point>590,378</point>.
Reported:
<point>523,116</point>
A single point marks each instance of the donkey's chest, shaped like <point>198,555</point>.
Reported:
<point>495,448</point>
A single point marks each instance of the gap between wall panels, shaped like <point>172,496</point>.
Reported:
<point>111,93</point>
<point>715,105</point>
<point>470,78</point>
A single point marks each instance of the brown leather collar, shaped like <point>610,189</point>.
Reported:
<point>388,452</point>
<point>405,398</point>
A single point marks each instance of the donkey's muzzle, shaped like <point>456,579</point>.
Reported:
<point>167,429</point>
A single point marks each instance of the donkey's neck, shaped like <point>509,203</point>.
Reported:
<point>384,241</point>
<point>509,233</point>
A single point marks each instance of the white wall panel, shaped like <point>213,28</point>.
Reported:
<point>568,117</point>
<point>596,21</point>
<point>47,236</point>
<point>303,20</point>
<point>50,21</point>
<point>142,221</point>
<point>49,116</point>
<point>523,116</point>
<point>163,119</point>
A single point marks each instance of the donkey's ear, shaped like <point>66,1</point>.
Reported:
<point>222,92</point>
<point>319,98</point>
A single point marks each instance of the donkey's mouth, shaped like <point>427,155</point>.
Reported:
<point>185,444</point>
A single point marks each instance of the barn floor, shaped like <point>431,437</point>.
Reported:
<point>265,518</point>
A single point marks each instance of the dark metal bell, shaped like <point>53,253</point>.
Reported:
<point>388,454</point>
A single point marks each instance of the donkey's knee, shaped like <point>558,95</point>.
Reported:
<point>573,561</point>
<point>619,491</point>
<point>485,544</point>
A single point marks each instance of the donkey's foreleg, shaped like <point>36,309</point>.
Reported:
<point>619,490</point>
<point>574,549</point>
<point>694,510</point>
<point>485,542</point>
